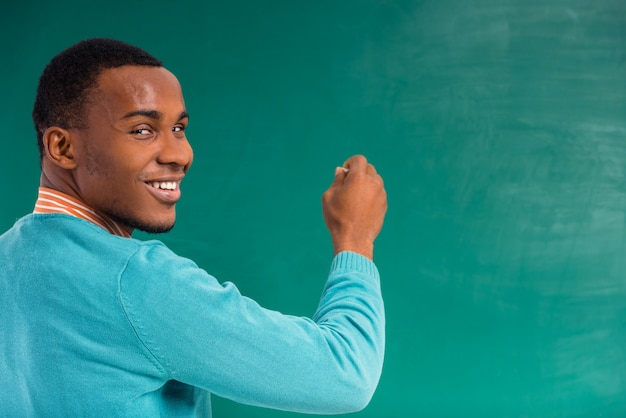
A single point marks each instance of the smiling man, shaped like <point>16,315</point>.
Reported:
<point>96,323</point>
<point>128,155</point>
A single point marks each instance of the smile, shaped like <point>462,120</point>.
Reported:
<point>164,185</point>
<point>167,192</point>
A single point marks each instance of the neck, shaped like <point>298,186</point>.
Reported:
<point>51,200</point>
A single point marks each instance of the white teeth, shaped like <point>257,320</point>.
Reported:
<point>166,185</point>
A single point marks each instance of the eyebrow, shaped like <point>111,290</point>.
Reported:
<point>152,114</point>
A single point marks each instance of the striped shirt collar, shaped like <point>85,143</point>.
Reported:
<point>54,201</point>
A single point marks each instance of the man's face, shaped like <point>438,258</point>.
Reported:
<point>134,153</point>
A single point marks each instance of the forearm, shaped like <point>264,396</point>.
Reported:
<point>332,362</point>
<point>352,314</point>
<point>328,364</point>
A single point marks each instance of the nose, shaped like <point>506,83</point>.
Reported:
<point>175,151</point>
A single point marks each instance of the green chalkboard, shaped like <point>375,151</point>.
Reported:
<point>500,130</point>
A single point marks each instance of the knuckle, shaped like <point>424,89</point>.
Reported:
<point>358,158</point>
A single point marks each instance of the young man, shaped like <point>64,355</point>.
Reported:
<point>96,323</point>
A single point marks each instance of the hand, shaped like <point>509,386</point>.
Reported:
<point>354,207</point>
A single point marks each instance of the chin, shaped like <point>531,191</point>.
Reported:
<point>155,229</point>
<point>149,226</point>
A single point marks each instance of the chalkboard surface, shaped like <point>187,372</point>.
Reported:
<point>500,130</point>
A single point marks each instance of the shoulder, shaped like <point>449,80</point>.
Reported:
<point>63,236</point>
<point>156,253</point>
<point>153,267</point>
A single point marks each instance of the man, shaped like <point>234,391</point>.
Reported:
<point>96,323</point>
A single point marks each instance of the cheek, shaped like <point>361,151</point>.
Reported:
<point>94,167</point>
<point>96,161</point>
<point>108,174</point>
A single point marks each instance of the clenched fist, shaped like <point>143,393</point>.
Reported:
<point>354,207</point>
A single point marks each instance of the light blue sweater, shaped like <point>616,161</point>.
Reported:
<point>93,324</point>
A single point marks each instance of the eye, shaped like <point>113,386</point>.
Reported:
<point>141,131</point>
<point>179,130</point>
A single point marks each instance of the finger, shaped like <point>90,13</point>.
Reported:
<point>370,169</point>
<point>356,163</point>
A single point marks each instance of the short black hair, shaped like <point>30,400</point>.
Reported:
<point>62,93</point>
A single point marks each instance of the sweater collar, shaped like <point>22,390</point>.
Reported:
<point>54,201</point>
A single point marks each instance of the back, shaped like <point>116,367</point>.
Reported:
<point>63,324</point>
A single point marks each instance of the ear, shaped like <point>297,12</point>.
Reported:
<point>59,146</point>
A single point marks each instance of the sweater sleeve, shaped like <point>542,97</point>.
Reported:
<point>206,334</point>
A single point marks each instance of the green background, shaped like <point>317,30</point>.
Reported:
<point>498,126</point>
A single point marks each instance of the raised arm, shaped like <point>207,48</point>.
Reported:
<point>206,334</point>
